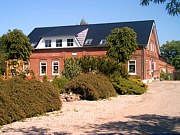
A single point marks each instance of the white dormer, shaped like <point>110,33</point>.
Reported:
<point>58,42</point>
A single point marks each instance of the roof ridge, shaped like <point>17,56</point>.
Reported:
<point>55,27</point>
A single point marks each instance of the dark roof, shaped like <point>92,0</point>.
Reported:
<point>97,32</point>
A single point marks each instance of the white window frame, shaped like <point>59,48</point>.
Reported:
<point>47,43</point>
<point>53,67</point>
<point>129,68</point>
<point>42,74</point>
<point>150,65</point>
<point>102,42</point>
<point>154,65</point>
<point>88,41</point>
<point>70,43</point>
<point>58,44</point>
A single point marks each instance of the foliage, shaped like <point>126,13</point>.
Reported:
<point>104,65</point>
<point>121,43</point>
<point>23,98</point>
<point>171,51</point>
<point>15,45</point>
<point>91,86</point>
<point>72,68</point>
<point>163,75</point>
<point>45,79</point>
<point>83,22</point>
<point>173,6</point>
<point>60,83</point>
<point>176,63</point>
<point>129,86</point>
<point>88,63</point>
<point>111,68</point>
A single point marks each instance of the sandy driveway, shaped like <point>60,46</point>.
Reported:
<point>157,111</point>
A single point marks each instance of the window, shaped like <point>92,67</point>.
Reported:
<point>43,68</point>
<point>47,43</point>
<point>103,42</point>
<point>132,67</point>
<point>69,42</point>
<point>58,42</point>
<point>88,41</point>
<point>55,68</point>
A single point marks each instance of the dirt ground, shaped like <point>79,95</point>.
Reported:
<point>157,111</point>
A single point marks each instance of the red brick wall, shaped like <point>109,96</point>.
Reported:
<point>50,55</point>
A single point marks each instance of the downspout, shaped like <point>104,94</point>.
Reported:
<point>143,63</point>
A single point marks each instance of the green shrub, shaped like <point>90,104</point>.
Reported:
<point>111,68</point>
<point>129,86</point>
<point>163,75</point>
<point>91,86</point>
<point>72,68</point>
<point>88,64</point>
<point>59,83</point>
<point>23,98</point>
<point>45,79</point>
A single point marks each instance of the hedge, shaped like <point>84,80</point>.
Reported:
<point>91,86</point>
<point>129,86</point>
<point>23,98</point>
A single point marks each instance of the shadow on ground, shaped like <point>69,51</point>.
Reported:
<point>34,131</point>
<point>142,124</point>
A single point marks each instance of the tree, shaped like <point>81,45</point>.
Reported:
<point>172,7</point>
<point>121,43</point>
<point>171,51</point>
<point>15,45</point>
<point>176,63</point>
<point>83,22</point>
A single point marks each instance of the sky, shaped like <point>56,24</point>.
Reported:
<point>26,15</point>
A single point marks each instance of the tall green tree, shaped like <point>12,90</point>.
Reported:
<point>15,45</point>
<point>171,51</point>
<point>172,7</point>
<point>121,43</point>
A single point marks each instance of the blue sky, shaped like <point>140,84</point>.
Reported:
<point>28,14</point>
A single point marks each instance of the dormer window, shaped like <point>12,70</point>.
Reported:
<point>88,41</point>
<point>47,43</point>
<point>58,42</point>
<point>103,42</point>
<point>70,42</point>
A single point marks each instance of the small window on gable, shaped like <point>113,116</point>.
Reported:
<point>88,41</point>
<point>103,42</point>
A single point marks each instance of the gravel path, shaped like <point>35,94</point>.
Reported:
<point>157,111</point>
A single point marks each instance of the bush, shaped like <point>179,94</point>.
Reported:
<point>72,68</point>
<point>163,75</point>
<point>23,98</point>
<point>111,68</point>
<point>105,65</point>
<point>91,86</point>
<point>129,86</point>
<point>59,83</point>
<point>88,64</point>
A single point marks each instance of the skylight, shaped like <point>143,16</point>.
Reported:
<point>103,42</point>
<point>88,41</point>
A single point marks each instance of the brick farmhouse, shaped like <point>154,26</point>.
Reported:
<point>54,44</point>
